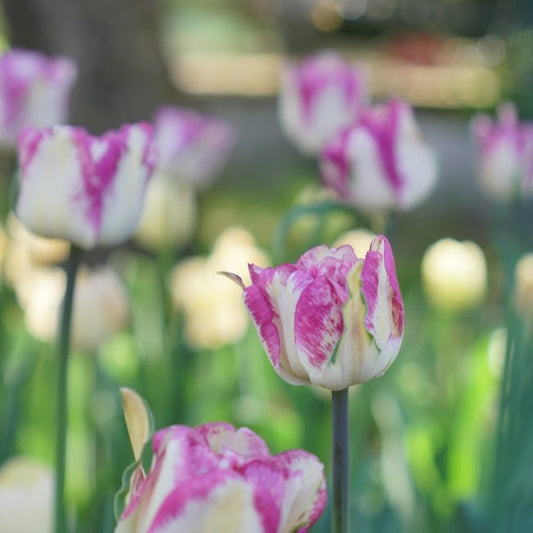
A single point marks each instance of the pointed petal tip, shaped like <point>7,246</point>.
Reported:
<point>233,277</point>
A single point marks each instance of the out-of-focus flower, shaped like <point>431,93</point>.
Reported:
<point>216,478</point>
<point>359,239</point>
<point>191,147</point>
<point>169,213</point>
<point>504,154</point>
<point>34,91</point>
<point>214,315</point>
<point>100,308</point>
<point>331,319</point>
<point>318,97</point>
<point>89,190</point>
<point>380,162</point>
<point>454,274</point>
<point>26,490</point>
<point>26,252</point>
<point>523,287</point>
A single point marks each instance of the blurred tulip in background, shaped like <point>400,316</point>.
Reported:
<point>317,97</point>
<point>504,154</point>
<point>34,91</point>
<point>380,162</point>
<point>89,190</point>
<point>26,488</point>
<point>454,275</point>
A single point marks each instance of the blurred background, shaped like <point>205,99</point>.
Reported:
<point>424,436</point>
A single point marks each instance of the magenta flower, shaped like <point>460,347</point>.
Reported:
<point>89,190</point>
<point>34,91</point>
<point>331,319</point>
<point>318,97</point>
<point>214,478</point>
<point>504,154</point>
<point>381,161</point>
<point>191,146</point>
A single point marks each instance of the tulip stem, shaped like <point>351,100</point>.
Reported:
<point>61,420</point>
<point>341,462</point>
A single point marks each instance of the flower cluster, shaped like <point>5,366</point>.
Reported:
<point>373,157</point>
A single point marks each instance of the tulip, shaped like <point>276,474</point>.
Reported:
<point>380,162</point>
<point>169,214</point>
<point>215,478</point>
<point>26,488</point>
<point>34,91</point>
<point>454,274</point>
<point>191,146</point>
<point>100,308</point>
<point>504,154</point>
<point>317,97</point>
<point>214,315</point>
<point>331,319</point>
<point>89,190</point>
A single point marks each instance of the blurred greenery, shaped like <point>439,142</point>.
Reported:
<point>442,442</point>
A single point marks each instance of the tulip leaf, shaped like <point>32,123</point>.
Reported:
<point>140,424</point>
<point>139,420</point>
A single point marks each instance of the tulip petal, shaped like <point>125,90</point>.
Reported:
<point>318,323</point>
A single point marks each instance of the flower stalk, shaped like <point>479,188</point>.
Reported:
<point>62,390</point>
<point>341,462</point>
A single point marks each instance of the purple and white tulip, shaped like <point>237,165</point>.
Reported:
<point>504,154</point>
<point>331,319</point>
<point>216,478</point>
<point>191,146</point>
<point>34,91</point>
<point>318,97</point>
<point>381,161</point>
<point>89,190</point>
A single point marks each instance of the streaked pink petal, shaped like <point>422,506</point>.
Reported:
<point>318,322</point>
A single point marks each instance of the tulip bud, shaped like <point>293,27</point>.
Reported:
<point>215,478</point>
<point>191,147</point>
<point>317,97</point>
<point>380,162</point>
<point>34,91</point>
<point>331,319</point>
<point>89,190</point>
<point>26,489</point>
<point>454,274</point>
<point>504,154</point>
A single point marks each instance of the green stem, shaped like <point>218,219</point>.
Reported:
<point>341,462</point>
<point>61,421</point>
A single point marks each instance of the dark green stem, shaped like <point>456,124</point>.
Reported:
<point>61,421</point>
<point>341,462</point>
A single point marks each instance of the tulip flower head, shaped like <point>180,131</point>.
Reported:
<point>505,154</point>
<point>317,97</point>
<point>191,146</point>
<point>381,161</point>
<point>34,91</point>
<point>331,319</point>
<point>454,275</point>
<point>88,190</point>
<point>26,496</point>
<point>216,478</point>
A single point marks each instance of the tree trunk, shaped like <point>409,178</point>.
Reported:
<point>122,76</point>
